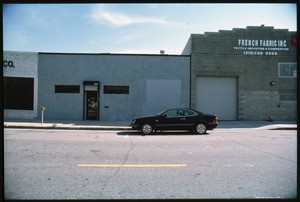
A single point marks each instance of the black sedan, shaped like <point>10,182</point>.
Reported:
<point>176,119</point>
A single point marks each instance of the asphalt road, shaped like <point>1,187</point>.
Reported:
<point>78,164</point>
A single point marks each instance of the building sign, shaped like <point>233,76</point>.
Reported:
<point>8,63</point>
<point>269,47</point>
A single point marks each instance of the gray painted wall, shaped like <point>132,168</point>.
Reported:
<point>137,71</point>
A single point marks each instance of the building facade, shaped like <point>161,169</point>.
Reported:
<point>240,74</point>
<point>20,79</point>
<point>111,86</point>
<point>244,74</point>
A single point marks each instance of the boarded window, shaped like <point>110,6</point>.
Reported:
<point>116,89</point>
<point>67,89</point>
<point>18,93</point>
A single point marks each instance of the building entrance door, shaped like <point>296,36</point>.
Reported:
<point>91,100</point>
<point>91,105</point>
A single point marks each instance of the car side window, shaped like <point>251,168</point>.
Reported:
<point>189,113</point>
<point>180,112</point>
<point>171,113</point>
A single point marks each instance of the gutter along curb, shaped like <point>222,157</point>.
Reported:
<point>53,126</point>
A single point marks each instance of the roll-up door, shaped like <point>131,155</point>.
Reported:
<point>217,95</point>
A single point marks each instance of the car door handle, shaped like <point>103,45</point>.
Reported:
<point>182,119</point>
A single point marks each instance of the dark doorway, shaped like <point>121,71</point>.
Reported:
<point>91,105</point>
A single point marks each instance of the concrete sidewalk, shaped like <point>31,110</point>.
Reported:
<point>73,125</point>
<point>124,125</point>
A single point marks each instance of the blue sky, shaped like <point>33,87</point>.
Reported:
<point>130,28</point>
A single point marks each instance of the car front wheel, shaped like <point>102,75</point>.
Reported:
<point>147,129</point>
<point>200,128</point>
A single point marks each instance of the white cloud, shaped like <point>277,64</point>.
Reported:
<point>99,14</point>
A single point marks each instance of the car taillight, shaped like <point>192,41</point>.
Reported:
<point>216,120</point>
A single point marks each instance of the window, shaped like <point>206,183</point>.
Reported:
<point>171,113</point>
<point>18,93</point>
<point>190,113</point>
<point>287,70</point>
<point>67,89</point>
<point>116,90</point>
<point>179,113</point>
<point>287,97</point>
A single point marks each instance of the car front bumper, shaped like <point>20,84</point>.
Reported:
<point>135,126</point>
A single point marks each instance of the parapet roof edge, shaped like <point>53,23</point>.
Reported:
<point>241,29</point>
<point>29,52</point>
<point>117,54</point>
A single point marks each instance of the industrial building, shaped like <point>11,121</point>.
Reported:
<point>244,73</point>
<point>240,74</point>
<point>111,86</point>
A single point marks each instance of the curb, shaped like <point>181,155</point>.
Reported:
<point>107,127</point>
<point>71,128</point>
<point>282,128</point>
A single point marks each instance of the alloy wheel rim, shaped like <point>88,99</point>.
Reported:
<point>200,128</point>
<point>147,128</point>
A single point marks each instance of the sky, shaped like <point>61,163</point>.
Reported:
<point>130,28</point>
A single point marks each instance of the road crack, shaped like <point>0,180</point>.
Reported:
<point>123,163</point>
<point>260,150</point>
<point>126,157</point>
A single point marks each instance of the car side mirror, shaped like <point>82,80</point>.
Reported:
<point>164,115</point>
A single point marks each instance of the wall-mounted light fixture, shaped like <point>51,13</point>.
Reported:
<point>272,83</point>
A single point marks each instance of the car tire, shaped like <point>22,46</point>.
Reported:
<point>200,128</point>
<point>147,129</point>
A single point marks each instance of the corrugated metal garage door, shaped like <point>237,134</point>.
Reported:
<point>217,95</point>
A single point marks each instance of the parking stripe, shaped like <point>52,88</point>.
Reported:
<point>132,165</point>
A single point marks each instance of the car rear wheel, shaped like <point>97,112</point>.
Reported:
<point>147,129</point>
<point>200,128</point>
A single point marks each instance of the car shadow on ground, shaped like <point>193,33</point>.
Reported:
<point>160,133</point>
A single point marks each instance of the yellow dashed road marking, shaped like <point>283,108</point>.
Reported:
<point>132,165</point>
